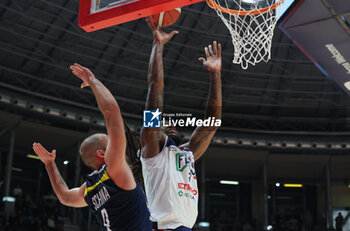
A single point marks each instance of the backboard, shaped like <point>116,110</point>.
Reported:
<point>99,14</point>
<point>321,30</point>
<point>284,8</point>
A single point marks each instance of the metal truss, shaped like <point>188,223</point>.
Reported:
<point>39,39</point>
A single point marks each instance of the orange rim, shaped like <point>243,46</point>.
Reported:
<point>213,5</point>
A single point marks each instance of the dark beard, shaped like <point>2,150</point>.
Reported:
<point>177,139</point>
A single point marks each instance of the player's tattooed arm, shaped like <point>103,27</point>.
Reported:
<point>114,156</point>
<point>153,138</point>
<point>202,136</point>
<point>69,197</point>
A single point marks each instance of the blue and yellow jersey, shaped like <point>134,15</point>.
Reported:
<point>115,208</point>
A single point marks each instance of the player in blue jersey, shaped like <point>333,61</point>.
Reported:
<point>111,192</point>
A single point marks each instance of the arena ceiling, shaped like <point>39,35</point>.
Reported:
<point>287,98</point>
<point>39,39</point>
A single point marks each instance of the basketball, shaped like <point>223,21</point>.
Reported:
<point>166,18</point>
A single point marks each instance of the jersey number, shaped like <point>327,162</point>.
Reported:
<point>106,223</point>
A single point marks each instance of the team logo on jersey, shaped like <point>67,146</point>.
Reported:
<point>151,118</point>
<point>183,161</point>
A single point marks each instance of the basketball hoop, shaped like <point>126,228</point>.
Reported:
<point>251,24</point>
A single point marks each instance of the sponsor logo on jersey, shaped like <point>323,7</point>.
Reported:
<point>187,187</point>
<point>185,190</point>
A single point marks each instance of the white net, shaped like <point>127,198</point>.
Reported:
<point>251,24</point>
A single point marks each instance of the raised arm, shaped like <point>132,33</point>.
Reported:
<point>153,138</point>
<point>201,137</point>
<point>70,197</point>
<point>117,167</point>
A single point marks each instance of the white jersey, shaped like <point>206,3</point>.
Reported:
<point>171,186</point>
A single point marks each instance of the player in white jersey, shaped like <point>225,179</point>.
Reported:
<point>168,167</point>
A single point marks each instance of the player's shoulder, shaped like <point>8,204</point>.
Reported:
<point>96,175</point>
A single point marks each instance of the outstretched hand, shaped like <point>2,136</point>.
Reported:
<point>213,57</point>
<point>159,35</point>
<point>82,73</point>
<point>45,156</point>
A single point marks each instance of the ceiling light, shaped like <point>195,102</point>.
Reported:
<point>9,199</point>
<point>33,156</point>
<point>65,162</point>
<point>293,185</point>
<point>230,182</point>
<point>204,224</point>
